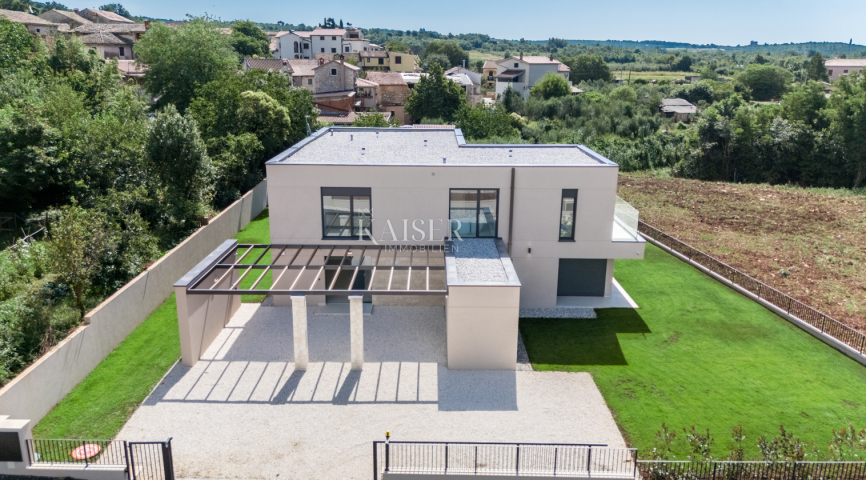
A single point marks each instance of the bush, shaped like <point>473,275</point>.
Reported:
<point>551,86</point>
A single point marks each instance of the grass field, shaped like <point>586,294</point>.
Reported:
<point>810,244</point>
<point>99,406</point>
<point>697,353</point>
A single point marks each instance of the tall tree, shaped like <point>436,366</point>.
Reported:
<point>551,86</point>
<point>765,81</point>
<point>177,155</point>
<point>587,68</point>
<point>816,69</point>
<point>248,39</point>
<point>16,43</point>
<point>435,96</point>
<point>183,59</point>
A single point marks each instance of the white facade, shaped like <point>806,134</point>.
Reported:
<point>291,45</point>
<point>410,191</point>
<point>533,69</point>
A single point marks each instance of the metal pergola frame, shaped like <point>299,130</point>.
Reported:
<point>380,252</point>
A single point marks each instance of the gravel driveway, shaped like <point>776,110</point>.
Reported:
<point>243,412</point>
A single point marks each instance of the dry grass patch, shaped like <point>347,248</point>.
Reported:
<point>810,244</point>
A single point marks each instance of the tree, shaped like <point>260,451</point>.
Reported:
<point>765,81</point>
<point>435,96</point>
<point>372,119</point>
<point>684,64</point>
<point>16,44</point>
<point>451,50</point>
<point>708,73</point>
<point>178,158</point>
<point>248,39</point>
<point>815,70</point>
<point>624,93</point>
<point>805,104</point>
<point>264,117</point>
<point>183,59</point>
<point>116,8</point>
<point>849,122</point>
<point>80,242</point>
<point>512,100</point>
<point>587,68</point>
<point>551,86</point>
<point>435,59</point>
<point>483,121</point>
<point>397,46</point>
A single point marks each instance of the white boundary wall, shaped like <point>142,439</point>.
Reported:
<point>36,390</point>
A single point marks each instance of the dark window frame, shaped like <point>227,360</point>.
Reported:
<point>477,210</point>
<point>381,61</point>
<point>568,193</point>
<point>398,59</point>
<point>350,192</point>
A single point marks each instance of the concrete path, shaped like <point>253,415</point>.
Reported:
<point>244,412</point>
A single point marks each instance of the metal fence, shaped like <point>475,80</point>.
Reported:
<point>684,470</point>
<point>825,324</point>
<point>502,459</point>
<point>143,460</point>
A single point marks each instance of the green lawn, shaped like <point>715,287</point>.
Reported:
<point>98,407</point>
<point>698,353</point>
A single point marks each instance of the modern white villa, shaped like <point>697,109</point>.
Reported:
<point>416,216</point>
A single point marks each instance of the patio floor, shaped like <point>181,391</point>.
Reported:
<point>244,412</point>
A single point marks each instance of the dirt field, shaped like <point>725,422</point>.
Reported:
<point>809,244</point>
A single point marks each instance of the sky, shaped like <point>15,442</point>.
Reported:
<point>729,22</point>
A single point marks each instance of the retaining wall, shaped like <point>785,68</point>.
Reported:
<point>34,392</point>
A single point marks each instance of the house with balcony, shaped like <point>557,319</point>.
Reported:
<point>522,72</point>
<point>488,73</point>
<point>379,217</point>
<point>292,44</point>
<point>366,93</point>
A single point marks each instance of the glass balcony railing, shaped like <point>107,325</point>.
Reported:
<point>625,220</point>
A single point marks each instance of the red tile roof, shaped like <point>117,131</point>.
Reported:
<point>328,31</point>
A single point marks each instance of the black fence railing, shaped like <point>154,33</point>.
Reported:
<point>143,460</point>
<point>503,459</point>
<point>825,324</point>
<point>685,470</point>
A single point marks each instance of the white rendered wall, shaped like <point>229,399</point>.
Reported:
<point>422,192</point>
<point>481,327</point>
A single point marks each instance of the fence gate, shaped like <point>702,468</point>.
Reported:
<point>150,460</point>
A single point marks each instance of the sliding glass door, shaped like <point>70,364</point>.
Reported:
<point>474,211</point>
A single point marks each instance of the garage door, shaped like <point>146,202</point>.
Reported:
<point>581,277</point>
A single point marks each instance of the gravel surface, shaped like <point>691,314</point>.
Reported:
<point>244,412</point>
<point>523,363</point>
<point>477,260</point>
<point>558,312</point>
<point>404,146</point>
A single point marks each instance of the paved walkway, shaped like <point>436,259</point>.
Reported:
<point>244,412</point>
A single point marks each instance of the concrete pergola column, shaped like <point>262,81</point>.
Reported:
<point>299,331</point>
<point>356,319</point>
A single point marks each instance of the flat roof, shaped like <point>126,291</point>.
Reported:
<point>428,146</point>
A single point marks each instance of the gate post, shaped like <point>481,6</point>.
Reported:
<point>356,319</point>
<point>167,460</point>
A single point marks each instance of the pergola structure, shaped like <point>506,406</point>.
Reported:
<point>210,293</point>
<point>333,270</point>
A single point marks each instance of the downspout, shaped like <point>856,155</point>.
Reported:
<point>511,212</point>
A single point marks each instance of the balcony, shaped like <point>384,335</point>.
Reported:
<point>625,222</point>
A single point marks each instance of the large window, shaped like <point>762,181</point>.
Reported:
<point>566,214</point>
<point>346,212</point>
<point>473,212</point>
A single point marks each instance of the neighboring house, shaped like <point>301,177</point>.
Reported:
<point>291,44</point>
<point>402,62</point>
<point>523,72</point>
<point>488,72</point>
<point>35,25</point>
<point>472,89</point>
<point>101,16</point>
<point>391,93</point>
<point>474,76</point>
<point>327,40</point>
<point>112,40</point>
<point>354,41</point>
<point>838,67</point>
<point>365,93</point>
<point>678,109</point>
<point>334,86</point>
<point>271,64</point>
<point>108,45</point>
<point>71,19</point>
<point>129,71</point>
<point>376,60</point>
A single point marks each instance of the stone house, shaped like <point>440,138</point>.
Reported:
<point>35,25</point>
<point>72,19</point>
<point>111,40</point>
<point>102,16</point>
<point>391,93</point>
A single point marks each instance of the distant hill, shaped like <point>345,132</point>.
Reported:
<point>820,47</point>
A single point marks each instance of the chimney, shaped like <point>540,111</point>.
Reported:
<point>521,55</point>
<point>551,57</point>
<point>75,10</point>
<point>147,24</point>
<point>321,61</point>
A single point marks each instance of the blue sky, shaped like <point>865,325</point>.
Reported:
<point>729,22</point>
